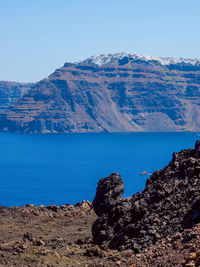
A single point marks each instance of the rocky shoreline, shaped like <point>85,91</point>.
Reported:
<point>158,227</point>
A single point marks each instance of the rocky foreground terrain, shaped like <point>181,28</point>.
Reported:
<point>121,92</point>
<point>158,227</point>
<point>169,203</point>
<point>61,236</point>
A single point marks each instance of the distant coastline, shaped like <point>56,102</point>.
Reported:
<point>122,92</point>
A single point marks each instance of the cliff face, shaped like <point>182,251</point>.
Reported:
<point>10,92</point>
<point>116,94</point>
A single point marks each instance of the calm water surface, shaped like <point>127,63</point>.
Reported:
<point>59,169</point>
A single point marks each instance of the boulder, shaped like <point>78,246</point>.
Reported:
<point>109,190</point>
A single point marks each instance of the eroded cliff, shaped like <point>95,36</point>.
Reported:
<point>10,92</point>
<point>115,94</point>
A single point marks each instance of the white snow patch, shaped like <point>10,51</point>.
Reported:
<point>108,58</point>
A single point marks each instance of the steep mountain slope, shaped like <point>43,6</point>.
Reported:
<point>10,92</point>
<point>115,93</point>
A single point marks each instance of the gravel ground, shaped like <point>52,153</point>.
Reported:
<point>61,236</point>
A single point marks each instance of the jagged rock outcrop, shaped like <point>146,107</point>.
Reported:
<point>111,93</point>
<point>169,203</point>
<point>108,191</point>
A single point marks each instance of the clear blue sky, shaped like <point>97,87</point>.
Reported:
<point>38,36</point>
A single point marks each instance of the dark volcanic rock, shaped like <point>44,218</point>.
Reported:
<point>111,93</point>
<point>169,203</point>
<point>109,190</point>
<point>193,215</point>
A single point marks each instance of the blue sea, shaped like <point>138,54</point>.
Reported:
<point>59,169</point>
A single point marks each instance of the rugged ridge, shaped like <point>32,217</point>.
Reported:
<point>121,92</point>
<point>169,204</point>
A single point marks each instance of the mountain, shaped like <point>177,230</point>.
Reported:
<point>122,92</point>
<point>10,92</point>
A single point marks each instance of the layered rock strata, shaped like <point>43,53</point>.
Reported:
<point>10,92</point>
<point>111,93</point>
<point>169,204</point>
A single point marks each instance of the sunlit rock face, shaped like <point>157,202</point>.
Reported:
<point>121,92</point>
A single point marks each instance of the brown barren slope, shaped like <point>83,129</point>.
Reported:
<point>61,236</point>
